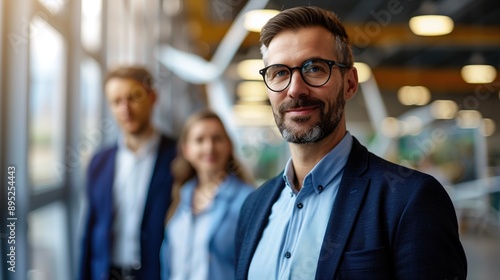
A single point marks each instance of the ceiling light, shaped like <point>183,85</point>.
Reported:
<point>391,127</point>
<point>412,125</point>
<point>251,91</point>
<point>487,127</point>
<point>478,73</point>
<point>172,7</point>
<point>444,109</point>
<point>249,69</point>
<point>253,115</point>
<point>254,20</point>
<point>469,118</point>
<point>414,95</point>
<point>364,71</point>
<point>431,25</point>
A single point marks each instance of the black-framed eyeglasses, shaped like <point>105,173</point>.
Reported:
<point>315,72</point>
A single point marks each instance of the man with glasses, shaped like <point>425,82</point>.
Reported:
<point>337,211</point>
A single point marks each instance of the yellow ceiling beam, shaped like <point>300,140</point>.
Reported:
<point>371,34</point>
<point>437,80</point>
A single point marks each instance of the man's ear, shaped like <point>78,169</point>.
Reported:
<point>351,82</point>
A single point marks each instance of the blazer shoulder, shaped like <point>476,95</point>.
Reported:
<point>105,151</point>
<point>102,157</point>
<point>256,197</point>
<point>363,162</point>
<point>386,175</point>
<point>385,168</point>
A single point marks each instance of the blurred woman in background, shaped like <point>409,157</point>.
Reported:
<point>210,186</point>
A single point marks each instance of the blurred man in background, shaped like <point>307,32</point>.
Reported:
<point>128,186</point>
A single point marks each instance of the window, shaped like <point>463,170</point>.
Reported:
<point>54,6</point>
<point>47,236</point>
<point>91,24</point>
<point>46,104</point>
<point>92,124</point>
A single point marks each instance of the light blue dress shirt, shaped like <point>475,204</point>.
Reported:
<point>292,240</point>
<point>202,246</point>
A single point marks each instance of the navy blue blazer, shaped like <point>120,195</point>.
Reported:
<point>97,238</point>
<point>388,222</point>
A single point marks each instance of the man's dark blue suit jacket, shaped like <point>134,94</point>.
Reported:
<point>98,234</point>
<point>388,222</point>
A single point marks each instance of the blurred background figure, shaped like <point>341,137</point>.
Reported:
<point>128,186</point>
<point>210,186</point>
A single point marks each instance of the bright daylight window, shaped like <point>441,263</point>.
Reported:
<point>46,103</point>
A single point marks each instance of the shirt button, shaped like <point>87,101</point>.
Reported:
<point>320,187</point>
<point>288,255</point>
<point>300,205</point>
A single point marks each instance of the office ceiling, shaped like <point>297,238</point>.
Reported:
<point>381,37</point>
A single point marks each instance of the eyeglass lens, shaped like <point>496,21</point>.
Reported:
<point>315,72</point>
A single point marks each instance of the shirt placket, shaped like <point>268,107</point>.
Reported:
<point>296,203</point>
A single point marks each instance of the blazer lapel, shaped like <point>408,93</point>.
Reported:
<point>157,184</point>
<point>348,202</point>
<point>104,188</point>
<point>260,217</point>
<point>222,202</point>
<point>103,198</point>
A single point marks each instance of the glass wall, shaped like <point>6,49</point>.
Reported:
<point>46,105</point>
<point>48,238</point>
<point>54,55</point>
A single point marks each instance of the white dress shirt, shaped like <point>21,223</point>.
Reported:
<point>133,172</point>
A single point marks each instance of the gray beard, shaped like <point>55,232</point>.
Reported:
<point>328,123</point>
<point>312,136</point>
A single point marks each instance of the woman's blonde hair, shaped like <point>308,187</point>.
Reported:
<point>183,171</point>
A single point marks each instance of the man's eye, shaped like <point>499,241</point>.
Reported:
<point>313,68</point>
<point>136,96</point>
<point>116,102</point>
<point>279,73</point>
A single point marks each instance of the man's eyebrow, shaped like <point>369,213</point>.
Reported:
<point>302,62</point>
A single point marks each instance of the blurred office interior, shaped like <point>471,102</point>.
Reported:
<point>429,99</point>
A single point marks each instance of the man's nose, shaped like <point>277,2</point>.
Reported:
<point>298,86</point>
<point>123,105</point>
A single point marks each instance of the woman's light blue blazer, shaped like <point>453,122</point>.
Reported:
<point>225,212</point>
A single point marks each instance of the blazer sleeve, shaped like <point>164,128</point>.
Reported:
<point>84,265</point>
<point>427,244</point>
<point>242,223</point>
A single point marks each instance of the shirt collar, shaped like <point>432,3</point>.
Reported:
<point>149,147</point>
<point>326,169</point>
<point>223,190</point>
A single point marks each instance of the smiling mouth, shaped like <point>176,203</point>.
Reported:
<point>128,120</point>
<point>210,159</point>
<point>301,111</point>
<point>300,106</point>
